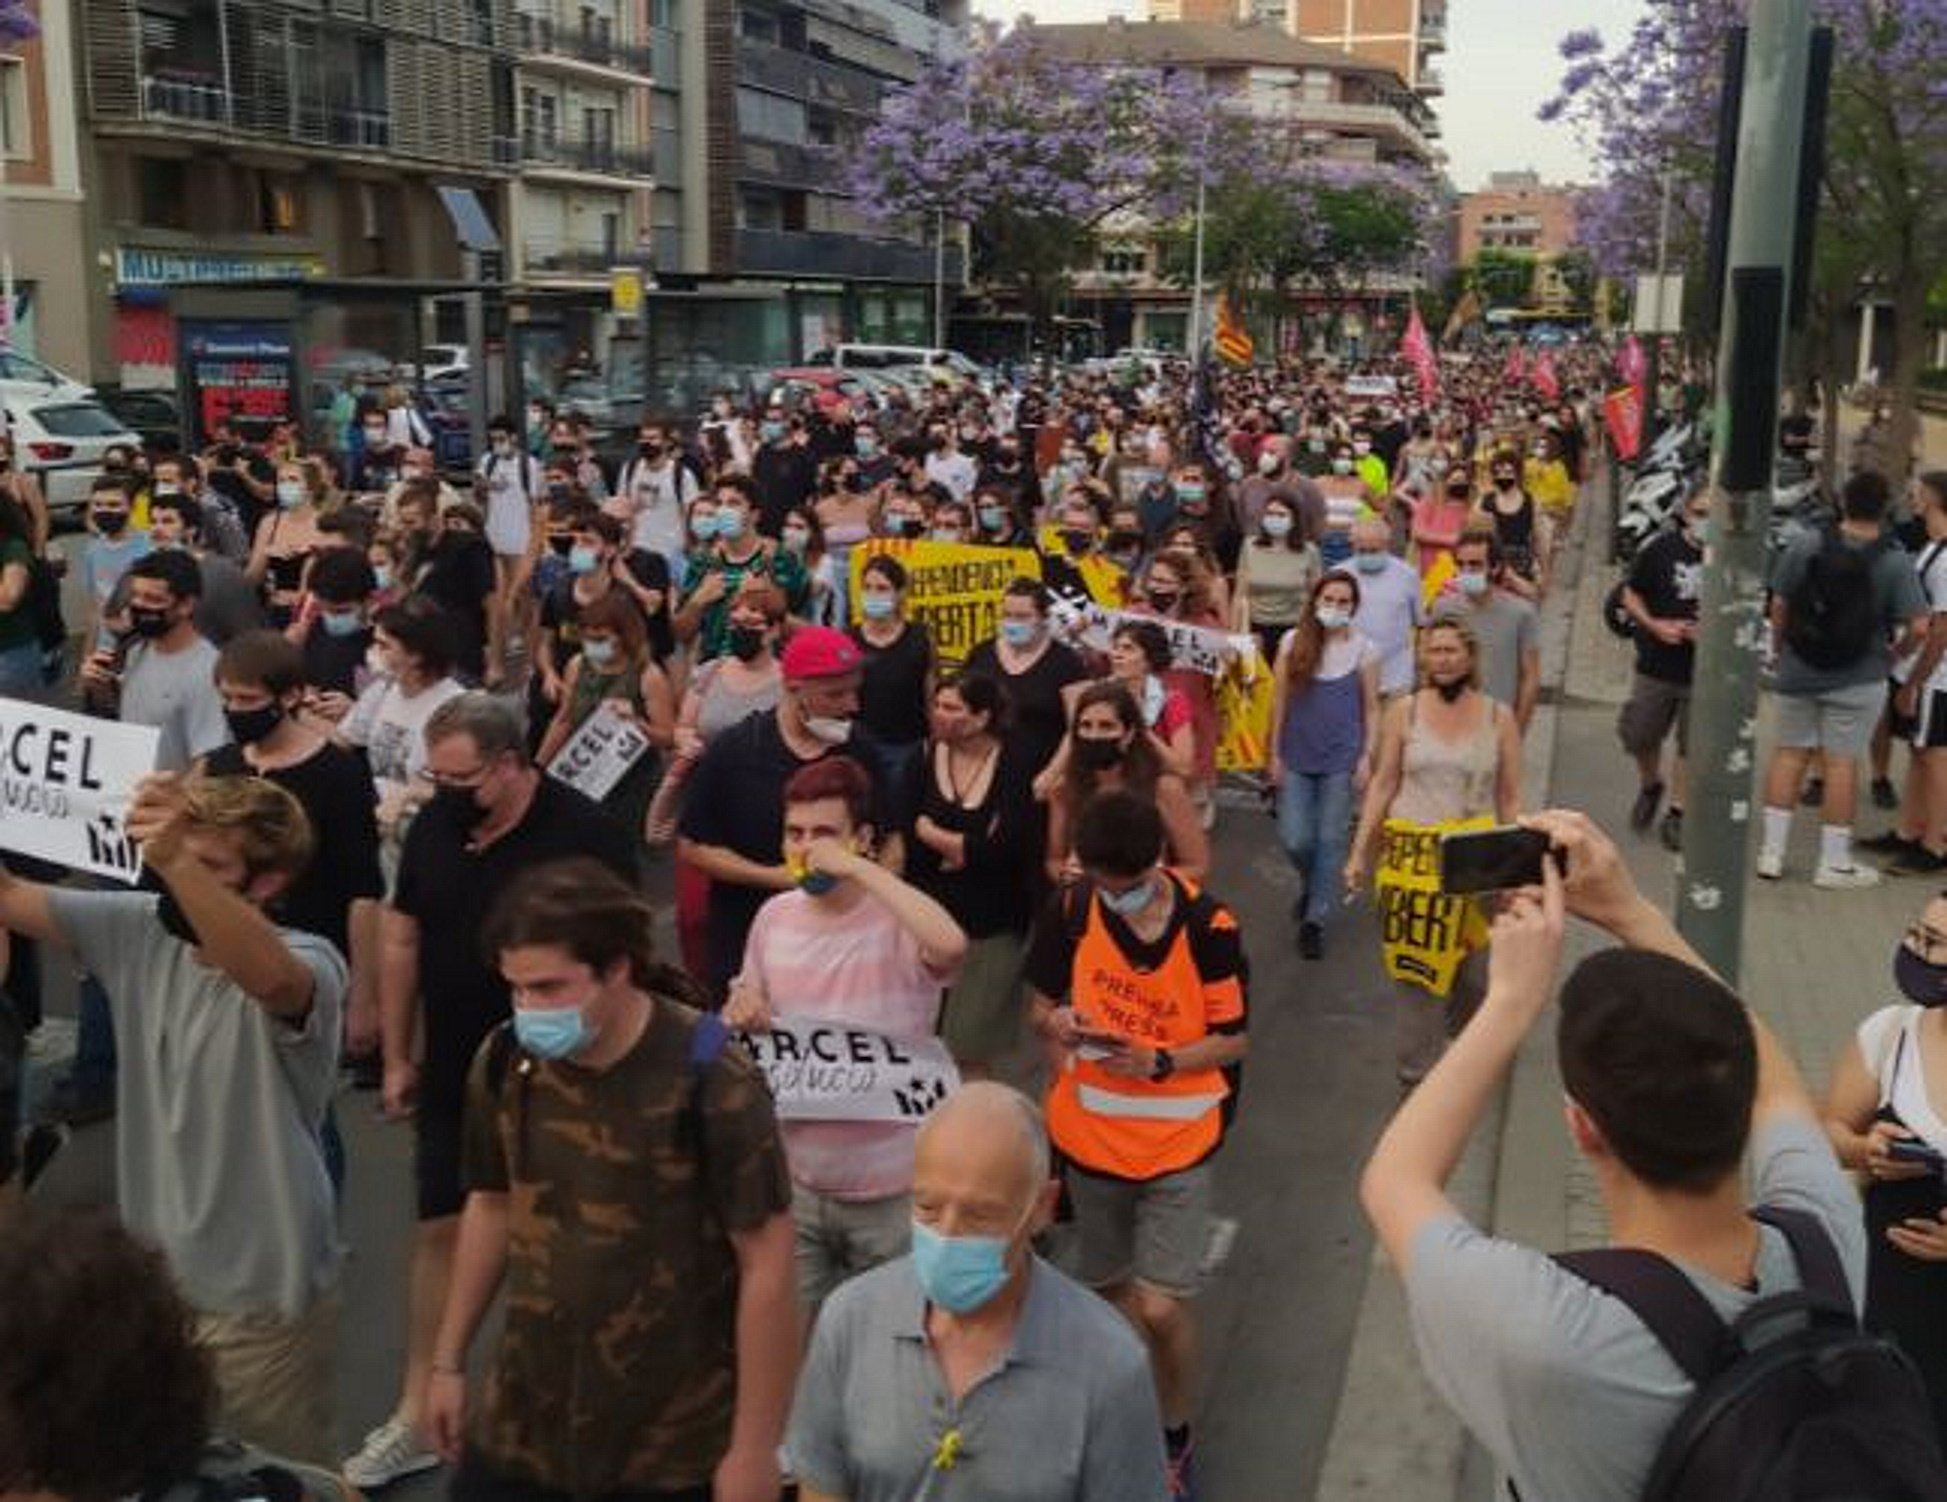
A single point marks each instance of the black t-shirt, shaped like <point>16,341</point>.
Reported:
<point>1037,717</point>
<point>450,890</point>
<point>460,577</point>
<point>561,611</point>
<point>332,662</point>
<point>736,801</point>
<point>892,694</point>
<point>990,891</point>
<point>785,474</point>
<point>1669,576</point>
<point>335,788</point>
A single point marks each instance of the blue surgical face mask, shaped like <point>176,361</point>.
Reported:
<point>1126,904</point>
<point>345,623</point>
<point>582,560</point>
<point>993,518</point>
<point>865,448</point>
<point>1472,584</point>
<point>1019,633</point>
<point>772,431</point>
<point>1369,563</point>
<point>552,1032</point>
<point>383,577</point>
<point>703,527</point>
<point>959,1273</point>
<point>730,525</point>
<point>878,607</point>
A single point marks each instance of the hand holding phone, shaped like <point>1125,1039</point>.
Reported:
<point>1495,860</point>
<point>1912,1150</point>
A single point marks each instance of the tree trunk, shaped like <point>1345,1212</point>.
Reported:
<point>1909,359</point>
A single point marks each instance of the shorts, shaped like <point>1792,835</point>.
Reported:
<point>1839,722</point>
<point>436,1160</point>
<point>274,1378</point>
<point>839,1239</point>
<point>1927,730</point>
<point>980,1018</point>
<point>1152,1231</point>
<point>1652,708</point>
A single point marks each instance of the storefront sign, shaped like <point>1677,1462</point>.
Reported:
<point>237,372</point>
<point>65,783</point>
<point>824,1071</point>
<point>136,267</point>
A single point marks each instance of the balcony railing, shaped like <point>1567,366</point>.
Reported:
<point>783,164</point>
<point>608,157</point>
<point>167,98</point>
<point>546,255</point>
<point>544,36</point>
<point>507,151</point>
<point>802,76</point>
<point>369,130</point>
<point>773,252</point>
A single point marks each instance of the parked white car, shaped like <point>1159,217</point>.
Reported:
<point>62,438</point>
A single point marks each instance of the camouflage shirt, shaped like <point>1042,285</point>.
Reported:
<point>616,1367</point>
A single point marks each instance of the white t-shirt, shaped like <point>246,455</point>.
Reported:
<point>956,472</point>
<point>509,500</point>
<point>1902,1080</point>
<point>1930,566</point>
<point>391,726</point>
<point>657,496</point>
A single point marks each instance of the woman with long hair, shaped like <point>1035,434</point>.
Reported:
<point>1180,587</point>
<point>289,535</point>
<point>1324,709</point>
<point>1110,747</point>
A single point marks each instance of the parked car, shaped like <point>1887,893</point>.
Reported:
<point>798,386</point>
<point>153,414</point>
<point>62,440</point>
<point>440,362</point>
<point>35,378</point>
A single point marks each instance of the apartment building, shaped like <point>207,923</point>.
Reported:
<point>1517,211</point>
<point>1404,35</point>
<point>40,166</point>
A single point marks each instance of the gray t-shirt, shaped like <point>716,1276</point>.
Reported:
<point>1069,1415</point>
<point>219,1106</point>
<point>1561,1383</point>
<point>1896,589</point>
<point>176,693</point>
<point>1506,628</point>
<point>1389,609</point>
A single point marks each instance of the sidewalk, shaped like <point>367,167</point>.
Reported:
<point>1815,964</point>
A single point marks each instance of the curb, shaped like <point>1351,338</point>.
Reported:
<point>1392,1436</point>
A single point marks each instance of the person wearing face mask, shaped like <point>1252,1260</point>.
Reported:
<point>106,557</point>
<point>1033,668</point>
<point>1275,573</point>
<point>686,1293</point>
<point>1136,983</point>
<point>491,816</point>
<point>653,492</point>
<point>997,520</point>
<point>1447,755</point>
<point>230,604</point>
<point>260,681</point>
<point>1113,748</point>
<point>785,469</point>
<point>1882,1104</point>
<point>1347,502</point>
<point>947,466</point>
<point>408,676</point>
<point>1324,713</point>
<point>736,552</point>
<point>1439,515</point>
<point>1662,597</point>
<point>507,482</point>
<point>597,565</point>
<point>899,665</point>
<point>231,1026</point>
<point>288,536</point>
<point>164,680</point>
<point>1274,477</point>
<point>1058,1372</point>
<point>1505,626</point>
<point>222,529</point>
<point>1520,529</point>
<point>459,577</point>
<point>855,945</point>
<point>614,670</point>
<point>951,522</point>
<point>733,821</point>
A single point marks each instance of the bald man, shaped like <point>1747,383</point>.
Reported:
<point>1389,602</point>
<point>972,1354</point>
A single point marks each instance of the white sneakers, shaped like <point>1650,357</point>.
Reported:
<point>1844,878</point>
<point>390,1453</point>
<point>1771,864</point>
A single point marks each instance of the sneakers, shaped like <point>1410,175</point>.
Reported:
<point>1771,864</point>
<point>1643,810</point>
<point>1885,795</point>
<point>390,1453</point>
<point>1311,941</point>
<point>1844,878</point>
<point>1890,843</point>
<point>1916,861</point>
<point>1670,831</point>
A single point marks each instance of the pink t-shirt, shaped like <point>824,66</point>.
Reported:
<point>863,967</point>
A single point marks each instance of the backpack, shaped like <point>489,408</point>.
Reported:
<point>228,1471</point>
<point>1794,1400</point>
<point>1615,615</point>
<point>1832,614</point>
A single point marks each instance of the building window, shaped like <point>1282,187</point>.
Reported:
<point>162,192</point>
<point>770,116</point>
<point>280,200</point>
<point>663,13</point>
<point>1124,261</point>
<point>16,134</point>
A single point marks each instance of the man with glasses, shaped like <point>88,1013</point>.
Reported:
<point>492,816</point>
<point>1661,598</point>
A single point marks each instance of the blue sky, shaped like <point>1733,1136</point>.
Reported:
<point>1500,65</point>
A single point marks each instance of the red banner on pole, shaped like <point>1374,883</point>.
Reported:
<point>1622,412</point>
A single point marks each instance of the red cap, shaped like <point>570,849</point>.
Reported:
<point>819,652</point>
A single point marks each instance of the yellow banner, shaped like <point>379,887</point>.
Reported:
<point>954,589</point>
<point>1244,716</point>
<point>1424,933</point>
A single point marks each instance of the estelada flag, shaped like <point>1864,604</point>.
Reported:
<point>1232,340</point>
<point>1466,311</point>
<point>1418,348</point>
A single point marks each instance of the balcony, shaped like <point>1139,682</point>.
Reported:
<point>795,253</point>
<point>507,151</point>
<point>362,130</point>
<point>798,75</point>
<point>781,164</point>
<point>1433,32</point>
<point>1432,82</point>
<point>556,256</point>
<point>597,158</point>
<point>542,38</point>
<point>180,97</point>
<point>198,101</point>
<point>1383,123</point>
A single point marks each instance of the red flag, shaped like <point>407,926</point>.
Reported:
<point>1543,375</point>
<point>1622,411</point>
<point>1517,363</point>
<point>1631,363</point>
<point>1417,347</point>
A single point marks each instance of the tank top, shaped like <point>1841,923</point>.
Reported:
<point>1441,781</point>
<point>719,706</point>
<point>1324,722</point>
<point>1516,531</point>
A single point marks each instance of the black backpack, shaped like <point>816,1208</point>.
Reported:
<point>1832,614</point>
<point>1794,1401</point>
<point>1615,614</point>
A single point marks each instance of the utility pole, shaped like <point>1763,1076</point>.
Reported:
<point>1195,341</point>
<point>1659,322</point>
<point>939,278</point>
<point>1732,630</point>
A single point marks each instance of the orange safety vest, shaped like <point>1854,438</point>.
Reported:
<point>1134,1128</point>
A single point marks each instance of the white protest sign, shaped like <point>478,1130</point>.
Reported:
<point>599,754</point>
<point>65,782</point>
<point>1200,648</point>
<point>826,1071</point>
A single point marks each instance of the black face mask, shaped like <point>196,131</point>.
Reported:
<point>908,526</point>
<point>562,546</point>
<point>462,803</point>
<point>1076,540</point>
<point>175,922</point>
<point>249,726</point>
<point>650,450</point>
<point>1451,692</point>
<point>111,523</point>
<point>148,623</point>
<point>1920,981</point>
<point>1164,602</point>
<point>1097,754</point>
<point>745,642</point>
<point>1125,541</point>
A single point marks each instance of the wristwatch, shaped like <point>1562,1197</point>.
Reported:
<point>1163,1068</point>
